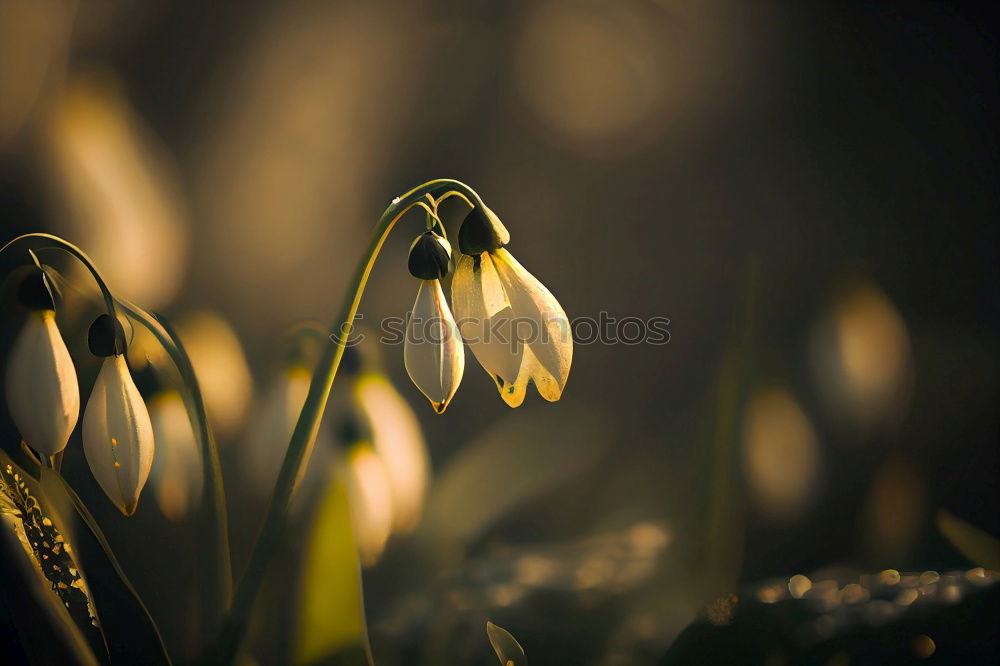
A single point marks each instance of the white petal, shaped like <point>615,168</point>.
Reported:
<point>484,318</point>
<point>176,474</point>
<point>541,323</point>
<point>42,391</point>
<point>118,435</point>
<point>369,494</point>
<point>400,445</point>
<point>433,352</point>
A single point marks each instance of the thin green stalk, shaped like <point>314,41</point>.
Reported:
<point>214,530</point>
<point>212,524</point>
<point>300,445</point>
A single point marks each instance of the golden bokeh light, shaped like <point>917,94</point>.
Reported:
<point>862,357</point>
<point>295,133</point>
<point>608,78</point>
<point>176,473</point>
<point>34,40</point>
<point>116,188</point>
<point>780,453</point>
<point>221,367</point>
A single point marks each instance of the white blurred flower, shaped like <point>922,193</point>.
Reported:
<point>270,428</point>
<point>118,435</point>
<point>399,444</point>
<point>176,475</point>
<point>42,391</point>
<point>369,495</point>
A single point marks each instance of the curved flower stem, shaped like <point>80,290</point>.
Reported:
<point>77,253</point>
<point>214,526</point>
<point>213,523</point>
<point>300,445</point>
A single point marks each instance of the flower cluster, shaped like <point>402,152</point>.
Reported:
<point>494,298</point>
<point>43,397</point>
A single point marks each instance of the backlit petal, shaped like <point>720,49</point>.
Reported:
<point>433,352</point>
<point>484,318</point>
<point>540,323</point>
<point>42,391</point>
<point>118,435</point>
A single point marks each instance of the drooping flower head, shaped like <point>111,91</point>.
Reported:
<point>117,432</point>
<point>514,326</point>
<point>433,352</point>
<point>43,395</point>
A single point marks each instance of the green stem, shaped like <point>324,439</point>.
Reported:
<point>300,445</point>
<point>213,523</point>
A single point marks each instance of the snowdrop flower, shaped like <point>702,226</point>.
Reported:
<point>514,326</point>
<point>369,495</point>
<point>270,426</point>
<point>433,352</point>
<point>117,433</point>
<point>176,474</point>
<point>42,391</point>
<point>399,443</point>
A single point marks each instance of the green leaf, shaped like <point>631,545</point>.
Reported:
<point>46,634</point>
<point>62,598</point>
<point>509,651</point>
<point>132,636</point>
<point>331,610</point>
<point>979,547</point>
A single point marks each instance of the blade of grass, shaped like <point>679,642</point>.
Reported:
<point>331,619</point>
<point>724,522</point>
<point>131,633</point>
<point>45,632</point>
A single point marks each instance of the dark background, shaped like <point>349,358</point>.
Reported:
<point>768,175</point>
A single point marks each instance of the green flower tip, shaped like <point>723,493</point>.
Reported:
<point>106,337</point>
<point>482,231</point>
<point>429,257</point>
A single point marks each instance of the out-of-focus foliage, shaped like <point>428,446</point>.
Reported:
<point>331,609</point>
<point>506,466</point>
<point>107,170</point>
<point>980,547</point>
<point>508,650</point>
<point>44,542</point>
<point>221,366</point>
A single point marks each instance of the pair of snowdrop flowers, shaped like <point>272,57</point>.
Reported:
<point>514,326</point>
<point>43,397</point>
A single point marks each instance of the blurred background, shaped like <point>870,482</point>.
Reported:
<point>808,191</point>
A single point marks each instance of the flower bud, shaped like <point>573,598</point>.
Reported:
<point>42,391</point>
<point>118,435</point>
<point>482,231</point>
<point>430,255</point>
<point>106,336</point>
<point>433,352</point>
